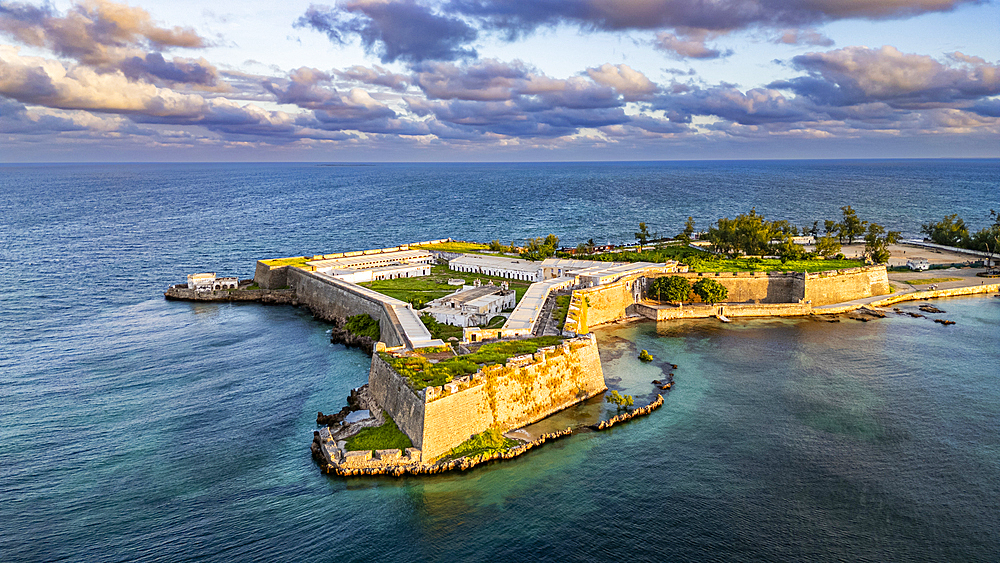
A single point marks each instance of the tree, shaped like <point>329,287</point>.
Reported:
<point>851,227</point>
<point>950,231</point>
<point>539,248</point>
<point>674,288</point>
<point>497,247</point>
<point>748,233</point>
<point>710,290</point>
<point>827,246</point>
<point>688,231</point>
<point>642,236</point>
<point>830,226</point>
<point>788,250</point>
<point>877,243</point>
<point>620,401</point>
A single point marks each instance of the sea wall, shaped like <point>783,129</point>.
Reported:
<point>731,310</point>
<point>331,299</point>
<point>525,390</point>
<point>275,296</point>
<point>937,293</point>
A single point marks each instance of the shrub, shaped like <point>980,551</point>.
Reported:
<point>489,441</point>
<point>619,400</point>
<point>363,325</point>
<point>710,290</point>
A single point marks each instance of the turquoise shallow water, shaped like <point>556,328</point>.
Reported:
<point>139,429</point>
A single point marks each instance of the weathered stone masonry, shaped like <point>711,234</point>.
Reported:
<point>526,390</point>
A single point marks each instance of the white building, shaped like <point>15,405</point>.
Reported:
<point>499,266</point>
<point>201,282</point>
<point>471,306</point>
<point>372,265</point>
<point>919,264</point>
<point>226,283</point>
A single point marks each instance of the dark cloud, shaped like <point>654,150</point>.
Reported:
<point>394,30</point>
<point>178,70</point>
<point>410,31</point>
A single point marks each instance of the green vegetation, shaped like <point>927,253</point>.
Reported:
<point>673,288</point>
<point>827,246</point>
<point>561,310</point>
<point>385,437</point>
<point>928,281</point>
<point>710,290</point>
<point>540,248</point>
<point>620,401</point>
<point>488,442</point>
<point>418,291</point>
<point>645,356</point>
<point>421,372</point>
<point>441,330</point>
<point>496,322</point>
<point>643,235</point>
<point>951,231</point>
<point>499,352</point>
<point>455,246</point>
<point>363,325</point>
<point>292,261</point>
<point>701,261</point>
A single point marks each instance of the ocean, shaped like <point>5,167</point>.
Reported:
<point>137,429</point>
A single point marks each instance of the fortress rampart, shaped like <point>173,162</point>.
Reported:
<point>750,294</point>
<point>526,390</point>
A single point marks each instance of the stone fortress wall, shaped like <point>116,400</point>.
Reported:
<point>526,390</point>
<point>750,294</point>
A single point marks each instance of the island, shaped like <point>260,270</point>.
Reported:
<point>521,346</point>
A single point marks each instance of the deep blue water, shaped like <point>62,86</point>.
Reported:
<point>132,428</point>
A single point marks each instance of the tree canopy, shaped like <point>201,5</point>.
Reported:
<point>673,288</point>
<point>710,290</point>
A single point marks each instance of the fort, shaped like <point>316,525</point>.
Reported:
<point>438,413</point>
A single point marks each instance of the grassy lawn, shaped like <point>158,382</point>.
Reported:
<point>385,437</point>
<point>418,291</point>
<point>928,281</point>
<point>700,261</point>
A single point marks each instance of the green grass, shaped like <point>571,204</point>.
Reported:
<point>496,322</point>
<point>561,310</point>
<point>499,352</point>
<point>928,281</point>
<point>489,441</point>
<point>292,261</point>
<point>421,372</point>
<point>385,437</point>
<point>418,291</point>
<point>701,261</point>
<point>454,246</point>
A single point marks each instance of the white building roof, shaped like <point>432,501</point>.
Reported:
<point>496,262</point>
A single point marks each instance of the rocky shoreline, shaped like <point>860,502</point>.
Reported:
<point>397,465</point>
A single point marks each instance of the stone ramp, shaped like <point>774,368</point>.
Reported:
<point>414,328</point>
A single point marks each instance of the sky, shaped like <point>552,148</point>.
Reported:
<point>498,80</point>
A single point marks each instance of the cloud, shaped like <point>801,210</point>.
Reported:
<point>807,36</point>
<point>412,31</point>
<point>856,75</point>
<point>394,29</point>
<point>376,76</point>
<point>108,37</point>
<point>631,84</point>
<point>92,33</point>
<point>691,45</point>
